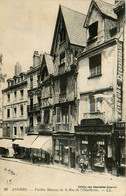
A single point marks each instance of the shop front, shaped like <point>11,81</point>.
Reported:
<point>119,165</point>
<point>64,149</point>
<point>93,143</point>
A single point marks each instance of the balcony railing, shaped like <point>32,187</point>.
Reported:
<point>100,115</point>
<point>63,127</point>
<point>32,129</point>
<point>34,108</point>
<point>45,127</point>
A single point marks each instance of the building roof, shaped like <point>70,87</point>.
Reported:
<point>49,63</point>
<point>119,6</point>
<point>74,26</point>
<point>104,7</point>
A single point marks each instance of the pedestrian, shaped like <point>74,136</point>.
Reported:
<point>82,165</point>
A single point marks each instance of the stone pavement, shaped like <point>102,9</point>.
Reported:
<point>63,168</point>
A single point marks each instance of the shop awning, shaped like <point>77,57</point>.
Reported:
<point>93,133</point>
<point>44,143</point>
<point>18,142</point>
<point>28,140</point>
<point>6,143</point>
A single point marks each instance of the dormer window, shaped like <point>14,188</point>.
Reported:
<point>22,78</point>
<point>93,32</point>
<point>15,81</point>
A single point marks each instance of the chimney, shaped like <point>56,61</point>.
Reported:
<point>17,69</point>
<point>36,59</point>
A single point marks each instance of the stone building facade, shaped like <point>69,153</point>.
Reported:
<point>14,99</point>
<point>100,82</point>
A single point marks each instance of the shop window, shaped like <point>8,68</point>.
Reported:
<point>95,65</point>
<point>15,94</point>
<point>31,82</point>
<point>95,104</point>
<point>22,93</point>
<point>99,154</point>
<point>93,32</point>
<point>63,85</point>
<point>21,110</point>
<point>15,112</point>
<point>15,130</point>
<point>62,57</point>
<point>58,115</point>
<point>8,96</point>
<point>46,115</point>
<point>8,113</point>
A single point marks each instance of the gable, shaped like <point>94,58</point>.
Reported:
<point>104,9</point>
<point>73,24</point>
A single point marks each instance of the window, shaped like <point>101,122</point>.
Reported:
<point>46,115</point>
<point>62,58</point>
<point>95,65</point>
<point>62,35</point>
<point>15,130</point>
<point>21,110</point>
<point>8,113</point>
<point>113,31</point>
<point>31,121</point>
<point>8,97</point>
<point>38,78</point>
<point>22,93</point>
<point>95,104</point>
<point>21,130</point>
<point>31,82</point>
<point>65,114</point>
<point>39,100</point>
<point>31,104</point>
<point>58,114</point>
<point>93,31</point>
<point>15,112</point>
<point>9,84</point>
<point>15,94</point>
<point>63,85</point>
<point>39,118</point>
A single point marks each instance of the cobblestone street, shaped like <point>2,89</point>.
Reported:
<point>27,179</point>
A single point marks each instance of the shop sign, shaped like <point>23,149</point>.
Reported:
<point>100,128</point>
<point>119,125</point>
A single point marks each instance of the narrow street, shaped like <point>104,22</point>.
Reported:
<point>26,179</point>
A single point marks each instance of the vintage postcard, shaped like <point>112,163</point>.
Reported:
<point>62,97</point>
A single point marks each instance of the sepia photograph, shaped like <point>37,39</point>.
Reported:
<point>62,98</point>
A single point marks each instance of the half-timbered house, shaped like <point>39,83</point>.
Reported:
<point>68,42</point>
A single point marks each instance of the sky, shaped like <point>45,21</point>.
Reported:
<point>28,25</point>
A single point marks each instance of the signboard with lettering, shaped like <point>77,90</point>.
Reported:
<point>100,128</point>
<point>119,125</point>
